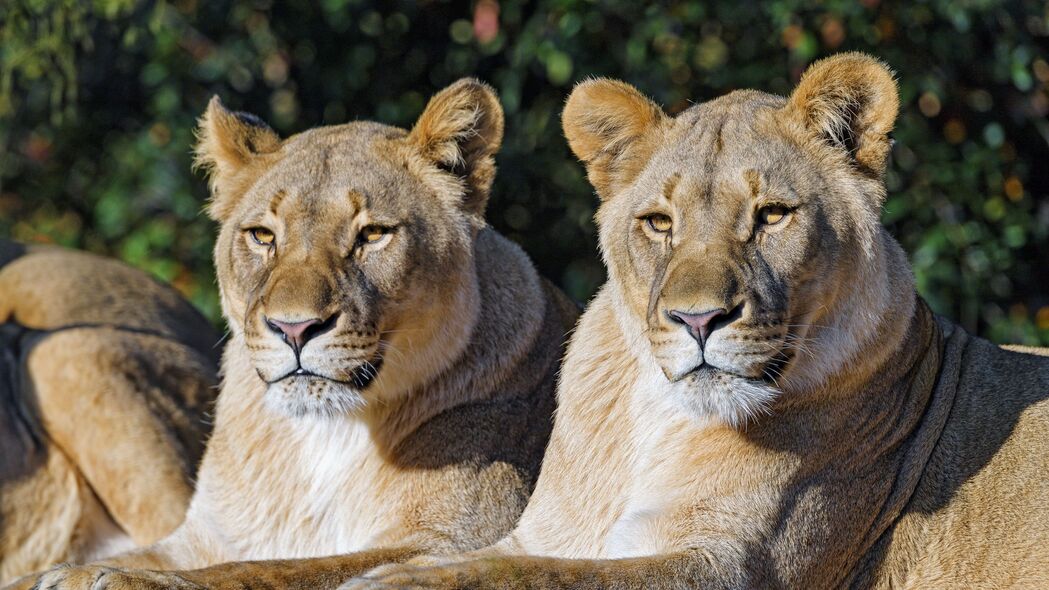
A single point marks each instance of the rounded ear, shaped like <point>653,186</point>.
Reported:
<point>228,142</point>
<point>461,130</point>
<point>849,100</point>
<point>613,129</point>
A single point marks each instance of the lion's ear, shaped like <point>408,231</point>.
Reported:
<point>227,143</point>
<point>851,101</point>
<point>461,130</point>
<point>613,129</point>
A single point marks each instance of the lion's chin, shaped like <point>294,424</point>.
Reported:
<point>736,400</point>
<point>310,395</point>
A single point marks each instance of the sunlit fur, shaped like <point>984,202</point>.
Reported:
<point>419,418</point>
<point>106,380</point>
<point>800,312</point>
<point>414,293</point>
<point>882,448</point>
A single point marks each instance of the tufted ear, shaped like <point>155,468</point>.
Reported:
<point>228,143</point>
<point>461,130</point>
<point>850,101</point>
<point>613,129</point>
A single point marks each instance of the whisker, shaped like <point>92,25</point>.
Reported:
<point>772,374</point>
<point>400,330</point>
<point>387,346</point>
<point>825,326</point>
<point>804,312</point>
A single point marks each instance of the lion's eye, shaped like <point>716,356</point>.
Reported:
<point>772,214</point>
<point>372,234</point>
<point>659,222</point>
<point>262,236</point>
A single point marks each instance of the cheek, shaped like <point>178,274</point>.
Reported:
<point>248,268</point>
<point>633,276</point>
<point>796,265</point>
<point>639,264</point>
<point>237,270</point>
<point>385,270</point>
<point>415,267</point>
<point>789,260</point>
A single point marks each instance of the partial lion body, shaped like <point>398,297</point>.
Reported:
<point>757,397</point>
<point>419,477</point>
<point>968,507</point>
<point>107,376</point>
<point>389,380</point>
<point>276,488</point>
<point>979,516</point>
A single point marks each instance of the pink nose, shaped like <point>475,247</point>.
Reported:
<point>698,324</point>
<point>297,334</point>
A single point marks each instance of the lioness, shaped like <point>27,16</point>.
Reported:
<point>389,381</point>
<point>757,398</point>
<point>105,379</point>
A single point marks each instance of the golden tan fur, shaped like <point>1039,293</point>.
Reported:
<point>824,429</point>
<point>415,416</point>
<point>105,378</point>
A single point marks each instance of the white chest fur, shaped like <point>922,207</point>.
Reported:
<point>337,459</point>
<point>659,464</point>
<point>311,494</point>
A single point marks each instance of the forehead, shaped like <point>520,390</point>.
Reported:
<point>356,162</point>
<point>728,145</point>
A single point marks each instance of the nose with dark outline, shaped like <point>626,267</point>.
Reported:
<point>699,325</point>
<point>297,334</point>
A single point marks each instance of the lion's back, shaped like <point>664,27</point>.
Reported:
<point>45,287</point>
<point>986,495</point>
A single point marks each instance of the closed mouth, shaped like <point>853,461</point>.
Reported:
<point>360,378</point>
<point>707,368</point>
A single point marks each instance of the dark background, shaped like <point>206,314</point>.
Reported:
<point>98,102</point>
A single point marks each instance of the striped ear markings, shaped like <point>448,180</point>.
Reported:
<point>613,129</point>
<point>228,142</point>
<point>850,101</point>
<point>461,130</point>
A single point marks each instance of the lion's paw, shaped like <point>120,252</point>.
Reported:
<point>97,577</point>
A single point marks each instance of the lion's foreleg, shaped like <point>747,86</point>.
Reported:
<point>689,569</point>
<point>292,574</point>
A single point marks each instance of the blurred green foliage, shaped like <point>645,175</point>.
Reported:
<point>98,101</point>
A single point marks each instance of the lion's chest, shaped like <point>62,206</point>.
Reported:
<point>676,461</point>
<point>320,493</point>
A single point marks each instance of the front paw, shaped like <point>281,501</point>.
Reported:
<point>97,577</point>
<point>422,572</point>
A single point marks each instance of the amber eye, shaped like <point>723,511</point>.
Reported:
<point>772,214</point>
<point>659,222</point>
<point>262,236</point>
<point>373,233</point>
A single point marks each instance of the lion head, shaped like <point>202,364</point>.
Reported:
<point>345,253</point>
<point>742,235</point>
